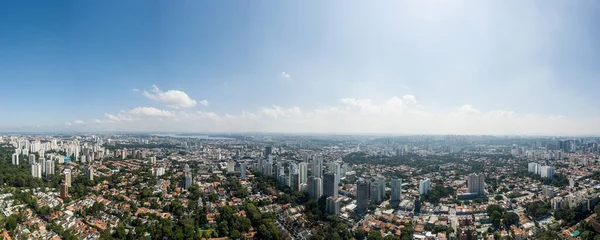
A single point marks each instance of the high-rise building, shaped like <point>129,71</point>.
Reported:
<point>533,167</point>
<point>315,187</point>
<point>243,171</point>
<point>548,191</point>
<point>476,184</point>
<point>36,170</point>
<point>362,195</point>
<point>295,181</point>
<point>68,177</point>
<point>547,172</point>
<point>303,172</point>
<point>317,167</point>
<point>333,205</point>
<point>396,185</point>
<point>330,185</point>
<point>89,172</point>
<point>268,151</point>
<point>188,177</point>
<point>424,186</point>
<point>376,195</point>
<point>15,159</point>
<point>49,167</point>
<point>32,158</point>
<point>64,190</point>
<point>230,166</point>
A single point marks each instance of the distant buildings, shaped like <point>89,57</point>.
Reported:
<point>424,186</point>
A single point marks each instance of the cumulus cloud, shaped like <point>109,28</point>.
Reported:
<point>78,122</point>
<point>172,98</point>
<point>396,115</point>
<point>150,112</point>
<point>203,102</point>
<point>285,75</point>
<point>68,124</point>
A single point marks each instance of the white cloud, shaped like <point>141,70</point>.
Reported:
<point>78,122</point>
<point>171,98</point>
<point>68,124</point>
<point>150,112</point>
<point>135,90</point>
<point>396,115</point>
<point>285,75</point>
<point>467,109</point>
<point>203,102</point>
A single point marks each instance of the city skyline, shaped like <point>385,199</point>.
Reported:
<point>472,67</point>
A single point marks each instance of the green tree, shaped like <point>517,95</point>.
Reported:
<point>374,235</point>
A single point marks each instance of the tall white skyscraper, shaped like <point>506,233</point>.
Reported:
<point>36,170</point>
<point>49,167</point>
<point>32,158</point>
<point>303,172</point>
<point>396,185</point>
<point>547,172</point>
<point>230,166</point>
<point>68,177</point>
<point>317,167</point>
<point>424,186</point>
<point>15,159</point>
<point>476,184</point>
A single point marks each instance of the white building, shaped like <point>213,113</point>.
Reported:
<point>547,172</point>
<point>424,186</point>
<point>15,159</point>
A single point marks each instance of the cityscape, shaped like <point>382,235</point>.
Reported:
<point>300,120</point>
<point>143,186</point>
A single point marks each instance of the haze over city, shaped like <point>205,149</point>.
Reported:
<point>385,67</point>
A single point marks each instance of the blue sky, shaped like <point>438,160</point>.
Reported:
<point>471,67</point>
